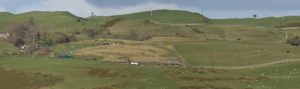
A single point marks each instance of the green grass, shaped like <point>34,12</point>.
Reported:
<point>166,16</point>
<point>292,32</point>
<point>259,43</point>
<point>282,76</point>
<point>141,27</point>
<point>268,22</point>
<point>11,79</point>
<point>70,46</point>
<point>234,53</point>
<point>233,32</point>
<point>7,48</point>
<point>52,21</point>
<point>75,76</point>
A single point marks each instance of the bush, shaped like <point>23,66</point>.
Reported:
<point>41,52</point>
<point>138,36</point>
<point>60,37</point>
<point>294,41</point>
<point>92,33</point>
<point>90,57</point>
<point>111,23</point>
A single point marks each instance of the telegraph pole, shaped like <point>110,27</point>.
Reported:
<point>286,37</point>
<point>33,38</point>
<point>282,20</point>
<point>226,35</point>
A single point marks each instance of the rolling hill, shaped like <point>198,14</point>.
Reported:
<point>268,22</point>
<point>57,21</point>
<point>172,57</point>
<point>166,16</point>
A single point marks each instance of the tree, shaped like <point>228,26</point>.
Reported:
<point>20,34</point>
<point>254,16</point>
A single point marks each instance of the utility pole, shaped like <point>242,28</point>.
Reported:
<point>92,14</point>
<point>33,38</point>
<point>226,35</point>
<point>286,37</point>
<point>151,12</point>
<point>282,20</point>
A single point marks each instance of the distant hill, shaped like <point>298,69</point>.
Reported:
<point>57,21</point>
<point>166,16</point>
<point>5,14</point>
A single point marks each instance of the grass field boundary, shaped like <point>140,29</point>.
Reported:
<point>250,66</point>
<point>172,24</point>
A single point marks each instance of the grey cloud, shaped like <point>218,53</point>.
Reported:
<point>210,4</point>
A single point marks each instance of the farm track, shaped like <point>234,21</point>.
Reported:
<point>171,24</point>
<point>250,66</point>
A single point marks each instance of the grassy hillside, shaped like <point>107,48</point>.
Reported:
<point>7,48</point>
<point>79,74</point>
<point>221,53</point>
<point>269,22</point>
<point>166,16</point>
<point>226,42</point>
<point>56,21</point>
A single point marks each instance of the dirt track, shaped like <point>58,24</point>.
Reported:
<point>156,22</point>
<point>249,66</point>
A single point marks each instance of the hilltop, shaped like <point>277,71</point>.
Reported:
<point>167,16</point>
<point>58,20</point>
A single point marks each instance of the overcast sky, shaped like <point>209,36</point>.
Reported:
<point>210,8</point>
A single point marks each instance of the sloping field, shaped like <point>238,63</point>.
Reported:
<point>230,54</point>
<point>268,22</point>
<point>10,79</point>
<point>125,53</point>
<point>167,16</point>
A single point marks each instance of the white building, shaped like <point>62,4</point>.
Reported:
<point>4,35</point>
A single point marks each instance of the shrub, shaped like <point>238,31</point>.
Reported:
<point>92,33</point>
<point>112,22</point>
<point>138,36</point>
<point>41,52</point>
<point>61,38</point>
<point>295,41</point>
<point>19,42</point>
<point>90,57</point>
